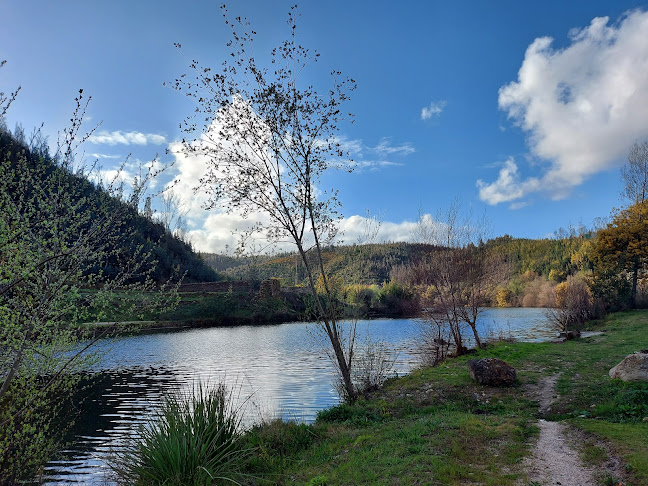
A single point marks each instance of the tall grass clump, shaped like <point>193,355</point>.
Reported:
<point>195,439</point>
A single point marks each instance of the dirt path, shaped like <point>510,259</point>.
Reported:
<point>555,459</point>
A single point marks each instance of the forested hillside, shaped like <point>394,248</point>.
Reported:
<point>174,257</point>
<point>523,272</point>
<point>374,264</point>
<point>358,264</point>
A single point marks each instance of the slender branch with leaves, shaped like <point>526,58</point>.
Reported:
<point>268,137</point>
<point>63,261</point>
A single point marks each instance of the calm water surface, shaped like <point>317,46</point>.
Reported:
<point>278,370</point>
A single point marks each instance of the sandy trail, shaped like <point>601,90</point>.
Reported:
<point>555,460</point>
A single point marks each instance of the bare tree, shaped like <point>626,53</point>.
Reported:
<point>459,274</point>
<point>173,214</point>
<point>573,305</point>
<point>635,173</point>
<point>268,137</point>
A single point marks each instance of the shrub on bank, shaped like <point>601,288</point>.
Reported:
<point>194,440</point>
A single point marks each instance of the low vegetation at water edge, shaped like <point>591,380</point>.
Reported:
<point>436,426</point>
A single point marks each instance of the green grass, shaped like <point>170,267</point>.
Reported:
<point>436,426</point>
<point>630,440</point>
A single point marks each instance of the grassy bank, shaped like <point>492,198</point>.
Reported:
<point>436,426</point>
<point>132,311</point>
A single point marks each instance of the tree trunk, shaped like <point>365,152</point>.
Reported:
<point>635,274</point>
<point>473,326</point>
<point>331,327</point>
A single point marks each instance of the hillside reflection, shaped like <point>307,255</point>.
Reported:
<point>108,407</point>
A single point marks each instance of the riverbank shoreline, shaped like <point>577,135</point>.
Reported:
<point>436,426</point>
<point>152,326</point>
<point>143,327</point>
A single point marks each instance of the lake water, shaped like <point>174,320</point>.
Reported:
<point>277,370</point>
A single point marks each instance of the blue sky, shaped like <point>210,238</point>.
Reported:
<point>524,109</point>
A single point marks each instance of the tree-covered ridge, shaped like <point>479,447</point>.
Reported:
<point>374,264</point>
<point>368,264</point>
<point>174,256</point>
<point>553,258</point>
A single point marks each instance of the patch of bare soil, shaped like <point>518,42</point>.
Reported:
<point>544,392</point>
<point>555,459</point>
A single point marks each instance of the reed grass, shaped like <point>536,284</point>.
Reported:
<point>195,439</point>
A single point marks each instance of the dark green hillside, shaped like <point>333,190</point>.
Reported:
<point>173,256</point>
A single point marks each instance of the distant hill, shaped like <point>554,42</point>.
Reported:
<point>174,256</point>
<point>357,264</point>
<point>371,264</point>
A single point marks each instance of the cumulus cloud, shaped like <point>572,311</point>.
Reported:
<point>219,232</point>
<point>508,186</point>
<point>435,108</point>
<point>581,106</point>
<point>215,229</point>
<point>353,229</point>
<point>126,138</point>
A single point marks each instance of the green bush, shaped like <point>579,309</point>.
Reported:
<point>392,291</point>
<point>360,413</point>
<point>194,440</point>
<point>282,437</point>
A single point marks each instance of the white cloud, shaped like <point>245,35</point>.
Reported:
<point>126,138</point>
<point>508,186</point>
<point>104,156</point>
<point>189,169</point>
<point>385,147</point>
<point>358,147</point>
<point>353,147</point>
<point>518,205</point>
<point>355,227</point>
<point>113,177</point>
<point>582,106</point>
<point>215,229</point>
<point>361,153</point>
<point>435,108</point>
<point>127,172</point>
<point>219,231</point>
<point>374,165</point>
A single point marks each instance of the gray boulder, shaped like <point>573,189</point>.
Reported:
<point>492,372</point>
<point>634,367</point>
